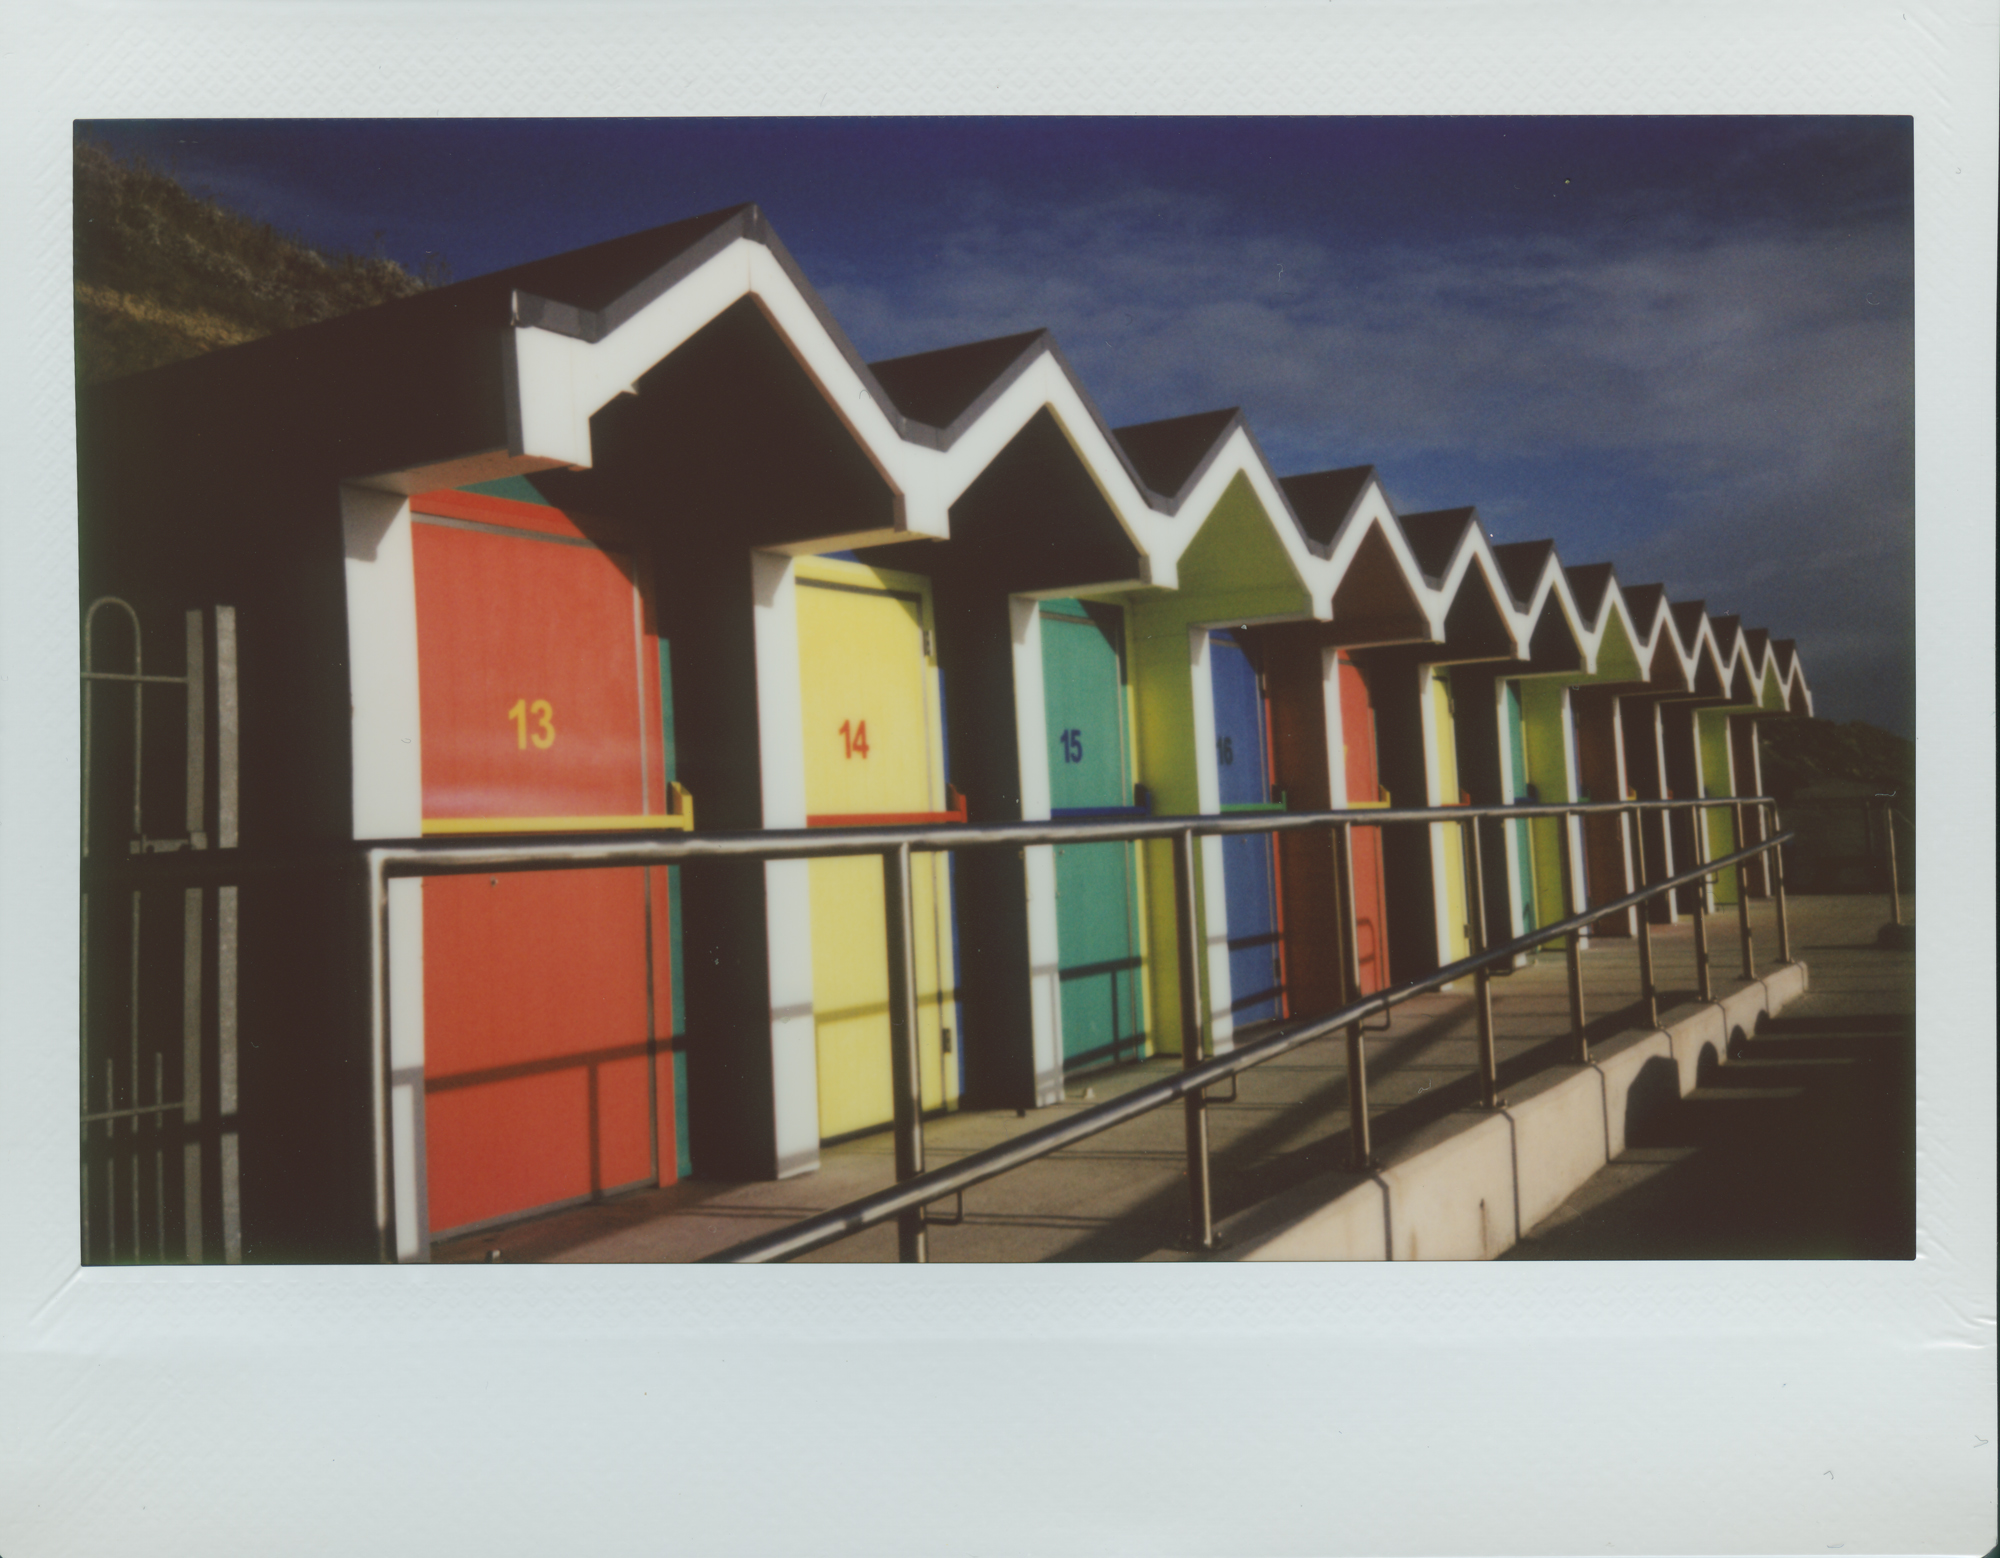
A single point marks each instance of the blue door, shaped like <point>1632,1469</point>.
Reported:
<point>1242,760</point>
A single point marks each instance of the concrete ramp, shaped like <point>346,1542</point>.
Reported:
<point>1467,1187</point>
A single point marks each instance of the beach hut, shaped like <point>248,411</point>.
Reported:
<point>1200,700</point>
<point>1034,693</point>
<point>663,414</point>
<point>1323,725</point>
<point>1415,695</point>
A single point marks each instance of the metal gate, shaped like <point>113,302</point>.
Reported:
<point>157,1083</point>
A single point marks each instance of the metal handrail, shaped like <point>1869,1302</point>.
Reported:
<point>459,856</point>
<point>388,859</point>
<point>913,1194</point>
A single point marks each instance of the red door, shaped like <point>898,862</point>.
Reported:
<point>544,992</point>
<point>1371,905</point>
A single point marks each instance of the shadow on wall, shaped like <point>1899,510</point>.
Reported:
<point>1652,1095</point>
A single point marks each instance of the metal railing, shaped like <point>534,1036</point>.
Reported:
<point>917,1186</point>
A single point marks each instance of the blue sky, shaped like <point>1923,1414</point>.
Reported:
<point>1682,344</point>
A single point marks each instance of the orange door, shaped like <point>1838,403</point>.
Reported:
<point>544,993</point>
<point>1364,786</point>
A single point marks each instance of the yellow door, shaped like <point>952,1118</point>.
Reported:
<point>1449,836</point>
<point>873,756</point>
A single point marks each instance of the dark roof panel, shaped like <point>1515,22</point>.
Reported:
<point>1168,455</point>
<point>1759,640</point>
<point>1588,582</point>
<point>1434,537</point>
<point>1521,564</point>
<point>1324,499</point>
<point>937,388</point>
<point>1644,602</point>
<point>597,278</point>
<point>1687,619</point>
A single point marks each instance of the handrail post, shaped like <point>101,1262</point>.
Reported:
<point>1776,854</point>
<point>1482,977</point>
<point>1743,893</point>
<point>1889,840</point>
<point>1201,1208</point>
<point>1361,1155</point>
<point>912,1242</point>
<point>1704,978</point>
<point>1573,951</point>
<point>1649,992</point>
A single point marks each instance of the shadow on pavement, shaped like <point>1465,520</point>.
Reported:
<point>1802,1148</point>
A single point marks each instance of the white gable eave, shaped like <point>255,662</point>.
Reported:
<point>941,477</point>
<point>1373,511</point>
<point>1474,552</point>
<point>1239,455</point>
<point>560,381</point>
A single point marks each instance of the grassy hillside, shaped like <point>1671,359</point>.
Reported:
<point>163,274</point>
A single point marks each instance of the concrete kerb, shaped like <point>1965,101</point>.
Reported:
<point>1468,1187</point>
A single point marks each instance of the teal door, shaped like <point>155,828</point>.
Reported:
<point>1520,832</point>
<point>1090,774</point>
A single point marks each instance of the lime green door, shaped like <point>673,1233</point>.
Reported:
<point>1447,840</point>
<point>1090,774</point>
<point>1519,833</point>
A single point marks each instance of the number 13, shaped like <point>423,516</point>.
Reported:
<point>544,715</point>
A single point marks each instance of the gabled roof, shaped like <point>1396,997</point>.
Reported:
<point>1644,600</point>
<point>1435,538</point>
<point>523,359</point>
<point>938,388</point>
<point>1522,564</point>
<point>1590,583</point>
<point>1326,500</point>
<point>1170,455</point>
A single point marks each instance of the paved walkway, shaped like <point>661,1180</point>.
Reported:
<point>1804,1146</point>
<point>1120,1196</point>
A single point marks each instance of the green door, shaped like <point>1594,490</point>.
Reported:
<point>1090,774</point>
<point>1519,832</point>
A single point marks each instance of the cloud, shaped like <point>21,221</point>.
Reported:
<point>1743,395</point>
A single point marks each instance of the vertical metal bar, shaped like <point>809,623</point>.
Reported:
<point>110,1162</point>
<point>138,736</point>
<point>156,1124</point>
<point>83,1040</point>
<point>193,905</point>
<point>1739,833</point>
<point>1895,887</point>
<point>1649,992</point>
<point>1704,978</point>
<point>1776,855</point>
<point>197,732</point>
<point>132,1076</point>
<point>225,1074</point>
<point>89,719</point>
<point>1573,949</point>
<point>376,887</point>
<point>226,727</point>
<point>1482,977</point>
<point>906,1067</point>
<point>653,1050</point>
<point>1201,1208</point>
<point>1361,1156</point>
